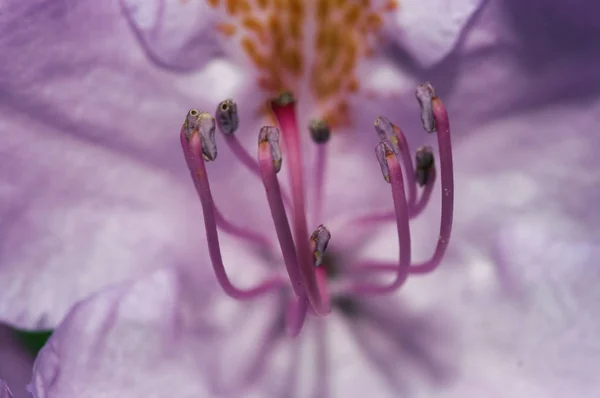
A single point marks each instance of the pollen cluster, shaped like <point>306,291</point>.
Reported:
<point>312,43</point>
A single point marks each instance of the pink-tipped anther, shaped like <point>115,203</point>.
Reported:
<point>429,101</point>
<point>392,173</point>
<point>198,145</point>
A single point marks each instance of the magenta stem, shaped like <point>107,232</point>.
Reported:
<point>240,232</point>
<point>403,228</point>
<point>248,161</point>
<point>286,116</point>
<point>409,169</point>
<point>282,226</point>
<point>295,315</point>
<point>446,170</point>
<point>320,170</point>
<point>193,155</point>
<point>425,196</point>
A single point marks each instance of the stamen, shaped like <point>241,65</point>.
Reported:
<point>425,176</point>
<point>196,131</point>
<point>282,226</point>
<point>283,109</point>
<point>440,116</point>
<point>240,232</point>
<point>269,160</point>
<point>295,316</point>
<point>393,174</point>
<point>202,123</point>
<point>320,133</point>
<point>228,122</point>
<point>270,135</point>
<point>319,241</point>
<point>389,131</point>
<point>382,151</point>
<point>425,165</point>
<point>227,117</point>
<point>440,120</point>
<point>425,94</point>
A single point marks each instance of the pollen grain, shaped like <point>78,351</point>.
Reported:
<point>317,43</point>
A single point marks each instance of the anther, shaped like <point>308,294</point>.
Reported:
<point>227,117</point>
<point>320,239</point>
<point>425,95</point>
<point>270,134</point>
<point>283,99</point>
<point>383,150</point>
<point>319,131</point>
<point>202,123</point>
<point>425,164</point>
<point>385,130</point>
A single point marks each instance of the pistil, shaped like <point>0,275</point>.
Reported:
<point>284,111</point>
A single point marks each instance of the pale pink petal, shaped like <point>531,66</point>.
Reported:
<point>136,340</point>
<point>94,189</point>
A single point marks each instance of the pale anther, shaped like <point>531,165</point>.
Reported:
<point>270,134</point>
<point>320,238</point>
<point>425,94</point>
<point>383,150</point>
<point>424,161</point>
<point>227,116</point>
<point>385,130</point>
<point>202,123</point>
<point>319,131</point>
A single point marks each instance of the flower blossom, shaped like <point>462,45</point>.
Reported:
<point>515,294</point>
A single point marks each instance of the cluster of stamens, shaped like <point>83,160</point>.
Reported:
<point>308,283</point>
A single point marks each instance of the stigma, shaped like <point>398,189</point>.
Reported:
<point>304,250</point>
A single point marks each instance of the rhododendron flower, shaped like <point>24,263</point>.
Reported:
<point>510,309</point>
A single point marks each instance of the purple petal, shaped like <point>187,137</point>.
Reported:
<point>429,30</point>
<point>141,339</point>
<point>92,187</point>
<point>4,391</point>
<point>178,35</point>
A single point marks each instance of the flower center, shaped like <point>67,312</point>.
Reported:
<point>303,254</point>
<point>317,43</point>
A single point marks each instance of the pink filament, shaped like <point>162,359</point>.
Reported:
<point>240,232</point>
<point>282,226</point>
<point>446,168</point>
<point>286,116</point>
<point>319,178</point>
<point>445,154</point>
<point>193,155</point>
<point>284,235</point>
<point>409,170</point>
<point>425,196</point>
<point>403,228</point>
<point>295,315</point>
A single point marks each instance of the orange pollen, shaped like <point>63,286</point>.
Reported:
<point>323,54</point>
